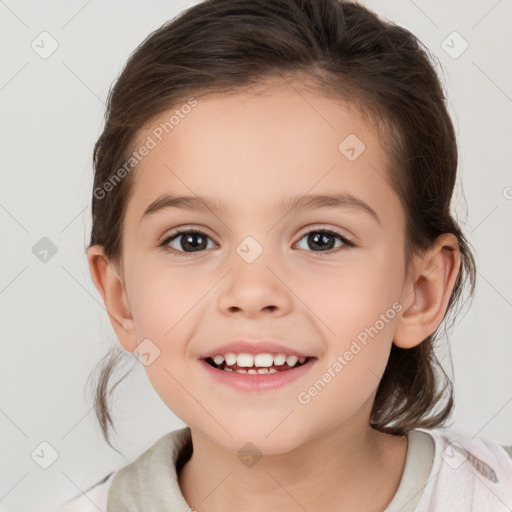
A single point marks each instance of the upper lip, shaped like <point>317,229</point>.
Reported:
<point>253,347</point>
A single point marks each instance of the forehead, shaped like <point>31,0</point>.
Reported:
<point>254,146</point>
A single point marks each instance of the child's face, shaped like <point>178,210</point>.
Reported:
<point>252,152</point>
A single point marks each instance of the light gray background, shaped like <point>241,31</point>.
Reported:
<point>54,327</point>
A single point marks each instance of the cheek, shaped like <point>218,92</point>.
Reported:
<point>349,298</point>
<point>161,297</point>
<point>166,307</point>
<point>358,307</point>
<point>163,307</point>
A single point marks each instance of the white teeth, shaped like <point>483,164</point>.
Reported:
<point>252,371</point>
<point>279,359</point>
<point>263,360</point>
<point>230,358</point>
<point>245,360</point>
<point>291,360</point>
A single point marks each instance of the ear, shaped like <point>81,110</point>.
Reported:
<point>427,292</point>
<point>111,286</point>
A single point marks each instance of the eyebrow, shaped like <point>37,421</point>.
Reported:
<point>294,203</point>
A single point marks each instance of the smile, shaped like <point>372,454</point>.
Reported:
<point>257,364</point>
<point>256,373</point>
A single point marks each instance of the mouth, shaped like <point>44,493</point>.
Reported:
<point>277,366</point>
<point>262,373</point>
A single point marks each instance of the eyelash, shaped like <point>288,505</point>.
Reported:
<point>176,234</point>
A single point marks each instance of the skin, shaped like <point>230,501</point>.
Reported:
<point>251,149</point>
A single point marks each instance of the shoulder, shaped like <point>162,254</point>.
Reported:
<point>95,498</point>
<point>468,473</point>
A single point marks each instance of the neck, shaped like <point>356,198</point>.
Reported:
<point>346,468</point>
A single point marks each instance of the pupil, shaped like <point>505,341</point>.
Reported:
<point>320,239</point>
<point>188,240</point>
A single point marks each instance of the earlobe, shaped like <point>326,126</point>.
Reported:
<point>428,292</point>
<point>109,284</point>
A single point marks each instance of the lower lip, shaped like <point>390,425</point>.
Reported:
<point>257,382</point>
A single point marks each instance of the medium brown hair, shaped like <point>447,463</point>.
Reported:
<point>345,51</point>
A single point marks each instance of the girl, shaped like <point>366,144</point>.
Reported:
<point>272,237</point>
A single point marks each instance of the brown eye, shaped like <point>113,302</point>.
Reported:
<point>187,241</point>
<point>324,240</point>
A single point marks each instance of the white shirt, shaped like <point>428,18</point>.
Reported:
<point>444,472</point>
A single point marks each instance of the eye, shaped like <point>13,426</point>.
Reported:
<point>322,238</point>
<point>194,241</point>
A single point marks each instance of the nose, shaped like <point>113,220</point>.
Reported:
<point>254,288</point>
